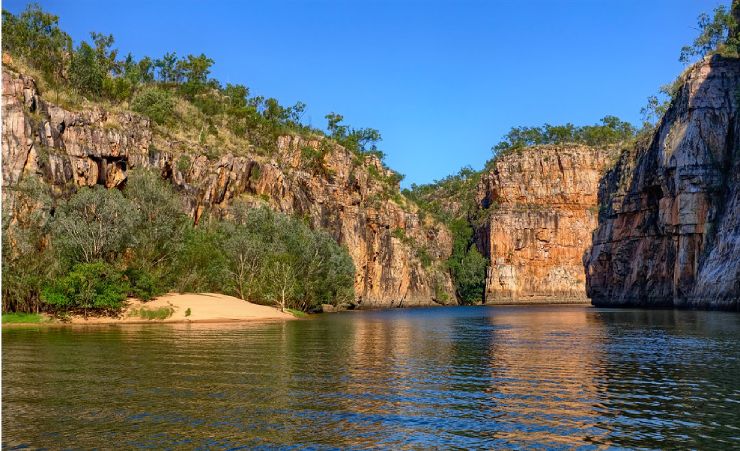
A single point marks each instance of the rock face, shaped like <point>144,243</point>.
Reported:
<point>344,193</point>
<point>543,207</point>
<point>669,233</point>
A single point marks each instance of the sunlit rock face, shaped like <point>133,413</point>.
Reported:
<point>669,233</point>
<point>542,207</point>
<point>346,194</point>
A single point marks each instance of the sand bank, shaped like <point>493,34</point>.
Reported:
<point>191,307</point>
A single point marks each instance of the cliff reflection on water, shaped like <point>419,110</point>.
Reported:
<point>478,377</point>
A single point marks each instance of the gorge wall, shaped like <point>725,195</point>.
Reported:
<point>669,232</point>
<point>542,207</point>
<point>345,194</point>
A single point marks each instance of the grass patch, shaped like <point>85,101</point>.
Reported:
<point>151,314</point>
<point>296,313</point>
<point>22,318</point>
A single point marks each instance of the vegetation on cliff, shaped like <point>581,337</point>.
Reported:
<point>177,93</point>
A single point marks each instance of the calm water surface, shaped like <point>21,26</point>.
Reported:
<point>465,377</point>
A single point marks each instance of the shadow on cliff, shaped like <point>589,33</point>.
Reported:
<point>653,238</point>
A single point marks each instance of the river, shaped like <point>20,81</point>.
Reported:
<point>464,377</point>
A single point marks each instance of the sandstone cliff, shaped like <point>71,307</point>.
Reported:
<point>669,233</point>
<point>347,194</point>
<point>542,207</point>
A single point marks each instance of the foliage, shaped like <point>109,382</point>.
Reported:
<point>466,264</point>
<point>272,257</point>
<point>88,286</point>
<point>35,36</point>
<point>27,263</point>
<point>200,264</point>
<point>611,130</point>
<point>155,103</point>
<point>160,313</point>
<point>717,34</point>
<point>95,224</point>
<point>359,140</point>
<point>160,234</point>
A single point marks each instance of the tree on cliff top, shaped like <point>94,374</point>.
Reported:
<point>35,35</point>
<point>718,34</point>
<point>611,130</point>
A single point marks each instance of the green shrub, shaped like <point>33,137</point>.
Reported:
<point>27,263</point>
<point>143,285</point>
<point>89,286</point>
<point>160,313</point>
<point>183,163</point>
<point>155,103</point>
<point>188,312</point>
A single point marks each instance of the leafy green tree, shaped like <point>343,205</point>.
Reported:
<point>470,276</point>
<point>201,265</point>
<point>168,68</point>
<point>105,56</point>
<point>466,264</point>
<point>718,33</point>
<point>27,263</point>
<point>95,224</point>
<point>159,237</point>
<point>246,245</point>
<point>281,279</point>
<point>146,70</point>
<point>35,35</point>
<point>363,140</point>
<point>195,71</point>
<point>85,74</point>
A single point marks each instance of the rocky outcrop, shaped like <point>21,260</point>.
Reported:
<point>669,232</point>
<point>541,208</point>
<point>351,196</point>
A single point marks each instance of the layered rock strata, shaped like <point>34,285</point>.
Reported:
<point>669,232</point>
<point>347,194</point>
<point>541,208</point>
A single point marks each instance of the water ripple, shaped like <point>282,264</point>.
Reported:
<point>465,378</point>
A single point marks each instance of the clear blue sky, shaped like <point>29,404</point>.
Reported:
<point>442,81</point>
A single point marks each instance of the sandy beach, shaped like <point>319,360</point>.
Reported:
<point>191,307</point>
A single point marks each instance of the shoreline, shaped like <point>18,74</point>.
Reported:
<point>174,308</point>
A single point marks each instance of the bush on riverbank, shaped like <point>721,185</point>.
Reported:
<point>99,246</point>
